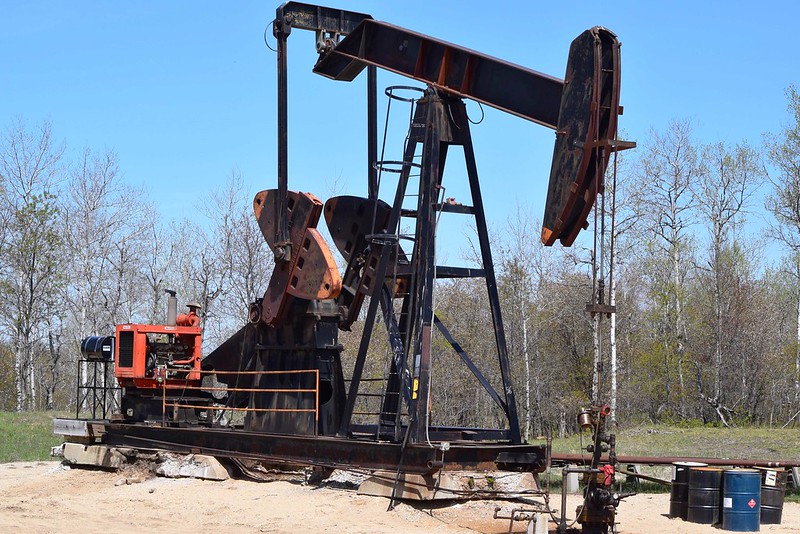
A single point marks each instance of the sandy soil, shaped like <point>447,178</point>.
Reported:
<point>45,497</point>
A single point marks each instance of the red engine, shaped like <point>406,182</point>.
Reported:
<point>150,356</point>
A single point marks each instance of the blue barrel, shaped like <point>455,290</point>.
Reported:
<point>741,500</point>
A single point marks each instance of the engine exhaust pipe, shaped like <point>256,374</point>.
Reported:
<point>172,308</point>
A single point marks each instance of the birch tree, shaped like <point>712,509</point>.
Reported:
<point>623,220</point>
<point>240,246</point>
<point>97,216</point>
<point>668,165</point>
<point>722,194</point>
<point>523,265</point>
<point>101,219</point>
<point>29,251</point>
<point>783,150</point>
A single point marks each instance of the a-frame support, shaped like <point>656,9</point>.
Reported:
<point>440,121</point>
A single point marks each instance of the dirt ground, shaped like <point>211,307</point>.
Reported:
<point>46,497</point>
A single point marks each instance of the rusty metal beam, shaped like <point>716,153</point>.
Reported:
<point>583,110</point>
<point>460,71</point>
<point>667,460</point>
<point>469,363</point>
<point>319,18</point>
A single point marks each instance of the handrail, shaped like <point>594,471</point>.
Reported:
<point>187,386</point>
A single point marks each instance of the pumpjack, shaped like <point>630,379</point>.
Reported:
<point>283,369</point>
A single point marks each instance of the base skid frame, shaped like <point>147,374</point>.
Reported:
<point>328,451</point>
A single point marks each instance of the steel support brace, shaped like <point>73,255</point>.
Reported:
<point>425,260</point>
<point>282,250</point>
<point>459,114</point>
<point>470,364</point>
<point>380,275</point>
<point>372,132</point>
<point>330,24</point>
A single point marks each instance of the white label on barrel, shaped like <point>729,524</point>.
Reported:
<point>770,478</point>
<point>727,502</point>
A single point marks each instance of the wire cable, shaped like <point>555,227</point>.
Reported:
<point>271,24</point>
<point>483,115</point>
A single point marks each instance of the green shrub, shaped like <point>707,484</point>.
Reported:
<point>28,436</point>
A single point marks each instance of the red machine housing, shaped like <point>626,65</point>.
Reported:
<point>155,356</point>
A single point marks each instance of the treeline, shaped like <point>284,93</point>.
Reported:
<point>708,314</point>
<point>81,250</point>
<point>707,328</point>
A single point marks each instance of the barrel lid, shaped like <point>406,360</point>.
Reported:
<point>689,464</point>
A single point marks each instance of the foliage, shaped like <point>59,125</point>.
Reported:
<point>81,250</point>
<point>28,436</point>
<point>695,440</point>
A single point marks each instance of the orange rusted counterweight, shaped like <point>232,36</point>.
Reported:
<point>310,272</point>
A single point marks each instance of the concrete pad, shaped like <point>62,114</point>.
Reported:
<point>95,455</point>
<point>410,486</point>
<point>192,466</point>
<point>71,427</point>
<point>447,485</point>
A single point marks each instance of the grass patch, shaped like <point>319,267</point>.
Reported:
<point>623,484</point>
<point>710,442</point>
<point>703,442</point>
<point>28,436</point>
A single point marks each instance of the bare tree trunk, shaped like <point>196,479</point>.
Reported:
<point>527,373</point>
<point>55,355</point>
<point>597,357</point>
<point>718,324</point>
<point>667,372</point>
<point>18,375</point>
<point>797,344</point>
<point>31,378</point>
<point>680,329</point>
<point>612,343</point>
<point>84,367</point>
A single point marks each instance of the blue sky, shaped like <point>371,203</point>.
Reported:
<point>184,92</point>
